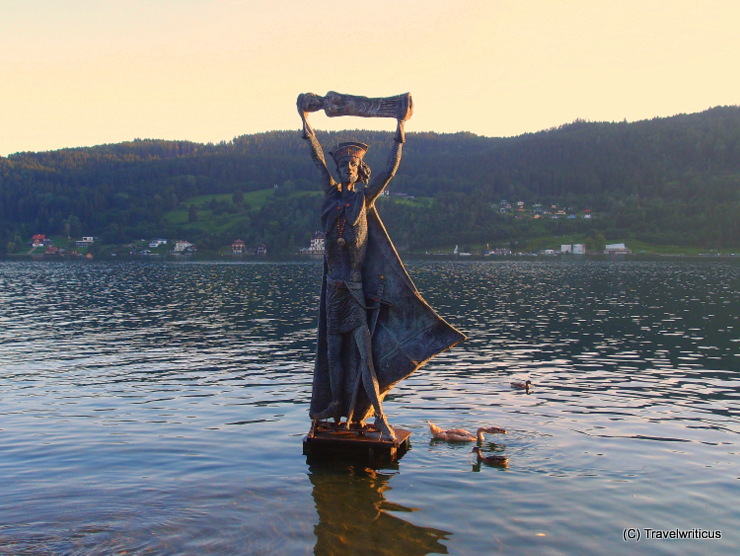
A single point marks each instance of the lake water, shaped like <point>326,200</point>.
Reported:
<point>160,409</point>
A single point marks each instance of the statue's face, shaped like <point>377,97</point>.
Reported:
<point>347,169</point>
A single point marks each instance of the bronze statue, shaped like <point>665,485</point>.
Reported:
<point>374,327</point>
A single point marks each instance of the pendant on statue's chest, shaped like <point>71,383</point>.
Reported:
<point>341,242</point>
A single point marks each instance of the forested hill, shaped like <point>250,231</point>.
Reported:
<point>670,180</point>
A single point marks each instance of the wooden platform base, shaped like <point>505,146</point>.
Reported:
<point>328,441</point>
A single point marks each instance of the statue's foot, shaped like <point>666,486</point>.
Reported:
<point>358,426</point>
<point>381,423</point>
<point>333,410</point>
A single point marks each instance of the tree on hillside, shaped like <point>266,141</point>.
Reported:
<point>673,180</point>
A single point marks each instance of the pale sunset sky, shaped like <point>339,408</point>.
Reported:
<point>89,72</point>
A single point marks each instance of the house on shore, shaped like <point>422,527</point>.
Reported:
<point>317,245</point>
<point>182,247</point>
<point>39,240</point>
<point>617,249</point>
<point>153,244</point>
<point>86,241</point>
<point>573,248</point>
<point>238,247</point>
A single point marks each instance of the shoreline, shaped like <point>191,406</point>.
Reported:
<point>25,257</point>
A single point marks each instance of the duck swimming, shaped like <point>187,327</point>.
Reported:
<point>523,385</point>
<point>461,435</point>
<point>501,461</point>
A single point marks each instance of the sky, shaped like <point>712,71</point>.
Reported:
<point>88,72</point>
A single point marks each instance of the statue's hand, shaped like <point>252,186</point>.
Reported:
<point>309,102</point>
<point>301,105</point>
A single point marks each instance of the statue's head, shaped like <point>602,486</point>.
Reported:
<point>350,164</point>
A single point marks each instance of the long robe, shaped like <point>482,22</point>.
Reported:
<point>406,332</point>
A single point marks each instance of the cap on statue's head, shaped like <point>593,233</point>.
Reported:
<point>351,149</point>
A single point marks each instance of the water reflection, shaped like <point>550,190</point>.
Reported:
<point>354,518</point>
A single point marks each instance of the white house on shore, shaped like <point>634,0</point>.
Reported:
<point>573,248</point>
<point>182,246</point>
<point>86,241</point>
<point>316,247</point>
<point>617,249</point>
<point>153,244</point>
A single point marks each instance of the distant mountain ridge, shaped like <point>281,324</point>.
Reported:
<point>665,180</point>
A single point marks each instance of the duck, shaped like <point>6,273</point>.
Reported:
<point>501,461</point>
<point>523,385</point>
<point>461,435</point>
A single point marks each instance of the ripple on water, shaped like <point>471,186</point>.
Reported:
<point>160,407</point>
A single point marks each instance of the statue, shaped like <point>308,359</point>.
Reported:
<point>374,327</point>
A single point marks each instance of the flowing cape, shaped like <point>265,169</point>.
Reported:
<point>406,332</point>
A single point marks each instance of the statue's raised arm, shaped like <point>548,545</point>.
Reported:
<point>380,181</point>
<point>306,103</point>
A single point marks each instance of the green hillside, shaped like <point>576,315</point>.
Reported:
<point>663,182</point>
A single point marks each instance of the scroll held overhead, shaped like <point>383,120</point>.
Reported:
<point>337,104</point>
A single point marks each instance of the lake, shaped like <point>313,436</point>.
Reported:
<point>159,408</point>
